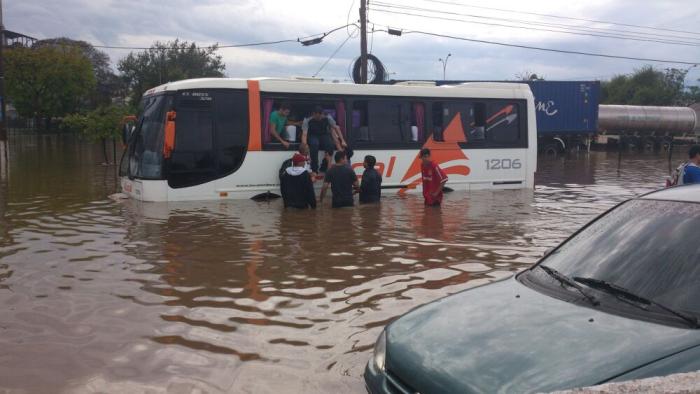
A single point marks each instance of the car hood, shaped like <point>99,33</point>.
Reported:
<point>509,338</point>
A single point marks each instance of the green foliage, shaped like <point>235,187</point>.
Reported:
<point>692,95</point>
<point>108,85</point>
<point>103,122</point>
<point>164,62</point>
<point>647,86</point>
<point>48,82</point>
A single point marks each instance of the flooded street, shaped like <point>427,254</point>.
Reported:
<point>243,296</point>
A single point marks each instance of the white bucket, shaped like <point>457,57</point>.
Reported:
<point>292,133</point>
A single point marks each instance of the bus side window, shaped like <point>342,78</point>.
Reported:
<point>417,122</point>
<point>385,121</point>
<point>438,112</point>
<point>477,126</point>
<point>360,126</point>
<point>504,123</point>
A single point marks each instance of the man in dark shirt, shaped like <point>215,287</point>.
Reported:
<point>342,180</point>
<point>371,185</point>
<point>317,132</point>
<point>296,185</point>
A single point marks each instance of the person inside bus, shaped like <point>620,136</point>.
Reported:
<point>317,131</point>
<point>371,185</point>
<point>296,185</point>
<point>279,122</point>
<point>342,181</point>
<point>434,178</point>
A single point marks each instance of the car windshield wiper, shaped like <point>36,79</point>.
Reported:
<point>566,281</point>
<point>621,292</point>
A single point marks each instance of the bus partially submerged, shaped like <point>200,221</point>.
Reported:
<point>204,139</point>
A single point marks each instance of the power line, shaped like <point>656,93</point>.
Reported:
<point>347,20</point>
<point>335,52</point>
<point>252,44</point>
<point>546,24</point>
<point>538,29</point>
<point>199,47</point>
<point>404,32</point>
<point>560,17</point>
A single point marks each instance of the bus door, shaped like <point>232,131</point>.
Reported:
<point>210,136</point>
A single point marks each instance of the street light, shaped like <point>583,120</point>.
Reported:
<point>444,65</point>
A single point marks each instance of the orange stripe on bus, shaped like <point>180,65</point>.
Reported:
<point>392,161</point>
<point>255,132</point>
<point>169,138</point>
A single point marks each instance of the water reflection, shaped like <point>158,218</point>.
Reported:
<point>244,296</point>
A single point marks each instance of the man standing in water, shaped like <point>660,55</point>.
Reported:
<point>434,178</point>
<point>296,185</point>
<point>342,180</point>
<point>371,185</point>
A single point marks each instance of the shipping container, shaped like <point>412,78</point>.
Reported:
<point>566,107</point>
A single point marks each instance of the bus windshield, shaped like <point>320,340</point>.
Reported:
<point>146,144</point>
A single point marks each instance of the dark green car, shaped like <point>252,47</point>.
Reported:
<point>618,300</point>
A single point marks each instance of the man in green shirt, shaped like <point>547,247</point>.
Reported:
<point>278,122</point>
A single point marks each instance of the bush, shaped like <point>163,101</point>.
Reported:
<point>102,123</point>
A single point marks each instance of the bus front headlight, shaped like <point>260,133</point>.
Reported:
<point>380,352</point>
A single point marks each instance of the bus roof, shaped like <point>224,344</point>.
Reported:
<point>318,86</point>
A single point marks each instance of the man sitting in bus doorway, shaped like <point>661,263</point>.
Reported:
<point>278,123</point>
<point>371,185</point>
<point>434,178</point>
<point>316,132</point>
<point>342,180</point>
<point>296,185</point>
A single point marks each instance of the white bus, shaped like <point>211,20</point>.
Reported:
<point>204,139</point>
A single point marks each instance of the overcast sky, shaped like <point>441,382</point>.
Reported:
<point>411,56</point>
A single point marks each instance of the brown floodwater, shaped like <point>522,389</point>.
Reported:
<point>244,296</point>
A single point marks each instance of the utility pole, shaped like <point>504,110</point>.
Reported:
<point>3,122</point>
<point>363,41</point>
<point>4,170</point>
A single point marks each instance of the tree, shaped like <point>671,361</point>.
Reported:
<point>107,85</point>
<point>646,86</point>
<point>100,124</point>
<point>528,75</point>
<point>48,82</point>
<point>165,62</point>
<point>692,95</point>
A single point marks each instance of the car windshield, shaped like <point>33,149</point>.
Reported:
<point>648,247</point>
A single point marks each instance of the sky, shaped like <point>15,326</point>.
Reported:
<point>411,56</point>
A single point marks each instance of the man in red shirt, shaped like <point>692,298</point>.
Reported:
<point>434,178</point>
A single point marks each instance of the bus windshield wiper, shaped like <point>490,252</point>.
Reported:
<point>566,281</point>
<point>625,294</point>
